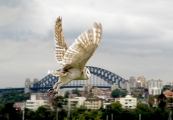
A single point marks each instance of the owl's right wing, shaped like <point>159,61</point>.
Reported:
<point>83,48</point>
<point>60,44</point>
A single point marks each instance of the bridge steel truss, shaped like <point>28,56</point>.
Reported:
<point>109,77</point>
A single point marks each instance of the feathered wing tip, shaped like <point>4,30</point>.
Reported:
<point>98,31</point>
<point>60,44</point>
<point>49,72</point>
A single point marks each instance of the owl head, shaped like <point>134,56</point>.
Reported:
<point>86,73</point>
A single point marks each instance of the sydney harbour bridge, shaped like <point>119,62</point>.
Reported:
<point>100,78</point>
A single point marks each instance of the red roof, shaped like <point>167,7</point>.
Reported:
<point>168,93</point>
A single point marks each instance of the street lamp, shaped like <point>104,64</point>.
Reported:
<point>23,115</point>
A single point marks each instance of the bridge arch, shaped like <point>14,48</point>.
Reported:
<point>109,77</point>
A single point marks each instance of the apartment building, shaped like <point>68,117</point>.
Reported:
<point>34,103</point>
<point>128,102</point>
<point>155,86</point>
<point>93,103</point>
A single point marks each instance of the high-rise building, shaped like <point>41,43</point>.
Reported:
<point>132,82</point>
<point>155,86</point>
<point>142,79</point>
<point>126,86</point>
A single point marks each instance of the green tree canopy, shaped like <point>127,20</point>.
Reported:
<point>76,91</point>
<point>162,101</point>
<point>117,93</point>
<point>13,96</point>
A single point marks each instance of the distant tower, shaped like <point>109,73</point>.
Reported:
<point>132,82</point>
<point>125,86</point>
<point>34,81</point>
<point>142,80</point>
<point>28,84</point>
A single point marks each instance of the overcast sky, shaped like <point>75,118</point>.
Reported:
<point>137,37</point>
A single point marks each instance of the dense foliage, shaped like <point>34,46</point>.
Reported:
<point>118,93</point>
<point>113,111</point>
<point>13,96</point>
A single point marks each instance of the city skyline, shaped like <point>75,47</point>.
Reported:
<point>137,37</point>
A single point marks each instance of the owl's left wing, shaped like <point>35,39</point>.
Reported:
<point>83,48</point>
<point>60,44</point>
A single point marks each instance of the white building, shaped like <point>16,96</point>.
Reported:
<point>93,103</point>
<point>155,86</point>
<point>128,102</point>
<point>34,103</point>
<point>76,102</point>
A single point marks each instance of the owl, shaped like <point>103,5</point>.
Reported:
<point>74,58</point>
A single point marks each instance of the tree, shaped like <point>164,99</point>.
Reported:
<point>142,107</point>
<point>9,112</point>
<point>116,110</point>
<point>66,94</point>
<point>117,93</point>
<point>2,116</point>
<point>76,91</point>
<point>162,101</point>
<point>170,100</point>
<point>13,96</point>
<point>151,101</point>
<point>167,87</point>
<point>116,106</point>
<point>140,96</point>
<point>145,111</point>
<point>90,95</point>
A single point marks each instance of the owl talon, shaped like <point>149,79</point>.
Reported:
<point>50,91</point>
<point>55,95</point>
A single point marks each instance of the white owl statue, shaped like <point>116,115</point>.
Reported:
<point>74,58</point>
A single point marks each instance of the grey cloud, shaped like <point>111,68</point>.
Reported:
<point>137,37</point>
<point>12,3</point>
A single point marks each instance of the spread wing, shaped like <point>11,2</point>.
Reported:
<point>83,48</point>
<point>60,44</point>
